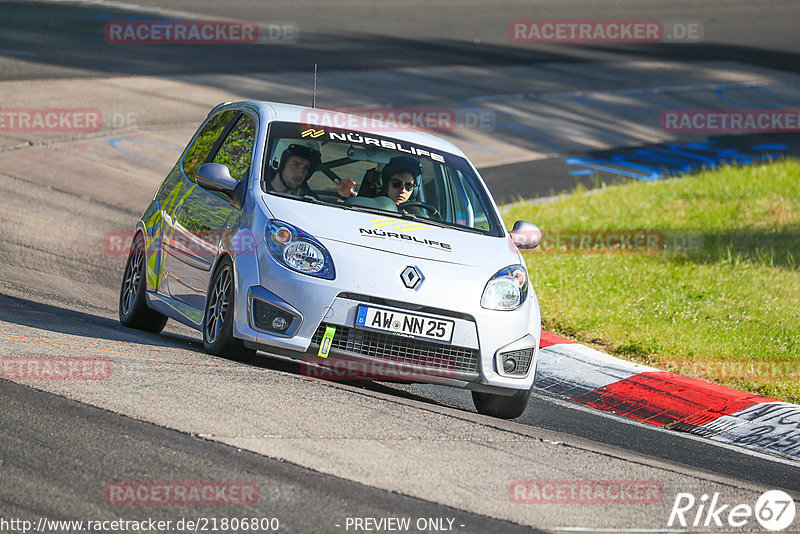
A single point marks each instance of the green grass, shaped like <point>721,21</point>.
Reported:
<point>725,309</point>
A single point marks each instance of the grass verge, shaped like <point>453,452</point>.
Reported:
<point>710,288</point>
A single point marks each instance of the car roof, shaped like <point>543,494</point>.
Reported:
<point>276,111</point>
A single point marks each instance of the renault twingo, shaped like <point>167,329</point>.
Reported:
<point>276,232</point>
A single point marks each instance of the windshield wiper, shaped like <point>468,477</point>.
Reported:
<point>368,209</point>
<point>441,224</point>
<point>304,198</point>
<point>414,217</point>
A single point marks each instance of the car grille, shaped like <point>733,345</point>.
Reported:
<point>400,349</point>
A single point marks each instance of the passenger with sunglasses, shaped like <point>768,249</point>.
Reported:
<point>400,177</point>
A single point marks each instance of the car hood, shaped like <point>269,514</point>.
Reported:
<point>394,235</point>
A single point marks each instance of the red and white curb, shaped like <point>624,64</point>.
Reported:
<point>576,372</point>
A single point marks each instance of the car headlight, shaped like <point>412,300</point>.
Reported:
<point>507,289</point>
<point>298,251</point>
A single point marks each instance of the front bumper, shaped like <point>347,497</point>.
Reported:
<point>472,359</point>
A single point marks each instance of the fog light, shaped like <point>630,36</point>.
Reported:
<point>279,324</point>
<point>516,363</point>
<point>269,318</point>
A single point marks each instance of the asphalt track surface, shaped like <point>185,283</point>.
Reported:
<point>319,452</point>
<point>44,39</point>
<point>59,433</point>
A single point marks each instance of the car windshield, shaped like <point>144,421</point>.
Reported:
<point>447,192</point>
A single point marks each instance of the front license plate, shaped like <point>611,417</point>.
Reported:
<point>404,324</point>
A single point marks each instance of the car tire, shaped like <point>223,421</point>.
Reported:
<point>501,406</point>
<point>133,310</point>
<point>218,337</point>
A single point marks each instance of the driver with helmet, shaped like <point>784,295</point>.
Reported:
<point>298,162</point>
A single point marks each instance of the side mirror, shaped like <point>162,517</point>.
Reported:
<point>217,177</point>
<point>526,235</point>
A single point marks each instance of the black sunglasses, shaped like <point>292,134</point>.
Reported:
<point>397,184</point>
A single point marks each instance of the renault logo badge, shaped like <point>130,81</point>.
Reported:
<point>411,277</point>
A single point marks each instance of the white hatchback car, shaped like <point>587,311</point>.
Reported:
<point>371,251</point>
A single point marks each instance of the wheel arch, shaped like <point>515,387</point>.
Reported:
<point>152,257</point>
<point>223,254</point>
<point>217,261</point>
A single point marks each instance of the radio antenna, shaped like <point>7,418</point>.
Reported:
<point>314,94</point>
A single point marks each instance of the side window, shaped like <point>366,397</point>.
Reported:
<point>468,210</point>
<point>237,150</point>
<point>204,142</point>
<point>480,217</point>
<point>430,192</point>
